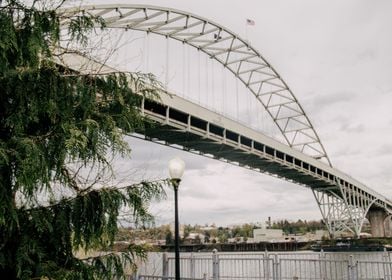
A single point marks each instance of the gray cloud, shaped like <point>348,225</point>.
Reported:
<point>367,54</point>
<point>384,150</point>
<point>326,100</point>
<point>335,56</point>
<point>352,128</point>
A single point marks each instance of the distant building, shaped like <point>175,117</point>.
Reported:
<point>237,240</point>
<point>267,235</point>
<point>321,234</point>
<point>195,238</point>
<point>208,228</point>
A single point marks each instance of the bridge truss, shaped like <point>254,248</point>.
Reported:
<point>343,202</point>
<point>233,52</point>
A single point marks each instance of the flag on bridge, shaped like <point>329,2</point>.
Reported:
<point>250,22</point>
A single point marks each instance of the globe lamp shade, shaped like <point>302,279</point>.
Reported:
<point>176,168</point>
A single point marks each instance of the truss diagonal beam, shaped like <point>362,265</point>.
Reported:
<point>345,210</point>
<point>221,44</point>
<point>343,201</point>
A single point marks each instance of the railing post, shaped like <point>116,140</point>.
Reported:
<point>266,265</point>
<point>275,267</point>
<point>322,254</point>
<point>192,272</point>
<point>352,269</point>
<point>384,266</point>
<point>215,265</point>
<point>323,263</point>
<point>165,266</point>
<point>385,256</point>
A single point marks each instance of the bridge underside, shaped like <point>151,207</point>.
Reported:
<point>201,145</point>
<point>342,208</point>
<point>343,201</point>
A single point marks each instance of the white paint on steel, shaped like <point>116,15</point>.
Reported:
<point>346,209</point>
<point>229,49</point>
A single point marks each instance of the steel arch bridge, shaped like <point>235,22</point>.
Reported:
<point>344,202</point>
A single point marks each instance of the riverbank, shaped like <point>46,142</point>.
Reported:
<point>367,244</point>
<point>239,247</point>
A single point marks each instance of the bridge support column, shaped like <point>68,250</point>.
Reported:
<point>388,226</point>
<point>376,218</point>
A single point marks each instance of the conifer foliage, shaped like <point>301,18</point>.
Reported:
<point>50,122</point>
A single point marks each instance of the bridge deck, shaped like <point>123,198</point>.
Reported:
<point>185,125</point>
<point>188,126</point>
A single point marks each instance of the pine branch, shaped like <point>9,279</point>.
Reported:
<point>51,115</point>
<point>70,179</point>
<point>82,192</point>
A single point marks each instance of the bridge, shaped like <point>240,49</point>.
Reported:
<point>300,158</point>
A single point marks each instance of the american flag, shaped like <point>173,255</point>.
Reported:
<point>250,22</point>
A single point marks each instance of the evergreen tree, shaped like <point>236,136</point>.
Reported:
<point>55,123</point>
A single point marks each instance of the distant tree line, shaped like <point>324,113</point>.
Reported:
<point>217,234</point>
<point>298,227</point>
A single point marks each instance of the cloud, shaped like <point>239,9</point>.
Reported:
<point>367,54</point>
<point>324,101</point>
<point>352,128</point>
<point>335,57</point>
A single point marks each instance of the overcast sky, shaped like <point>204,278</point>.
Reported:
<point>336,58</point>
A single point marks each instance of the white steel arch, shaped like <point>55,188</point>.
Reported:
<point>229,49</point>
<point>343,201</point>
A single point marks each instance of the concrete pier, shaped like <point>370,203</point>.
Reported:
<point>377,217</point>
<point>388,226</point>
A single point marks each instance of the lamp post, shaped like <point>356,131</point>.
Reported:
<point>176,169</point>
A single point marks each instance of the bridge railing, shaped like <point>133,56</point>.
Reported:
<point>275,266</point>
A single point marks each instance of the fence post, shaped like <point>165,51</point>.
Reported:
<point>215,265</point>
<point>323,264</point>
<point>192,266</point>
<point>275,267</point>
<point>352,269</point>
<point>266,265</point>
<point>322,254</point>
<point>386,264</point>
<point>385,256</point>
<point>165,266</point>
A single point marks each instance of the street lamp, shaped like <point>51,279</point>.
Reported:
<point>176,169</point>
